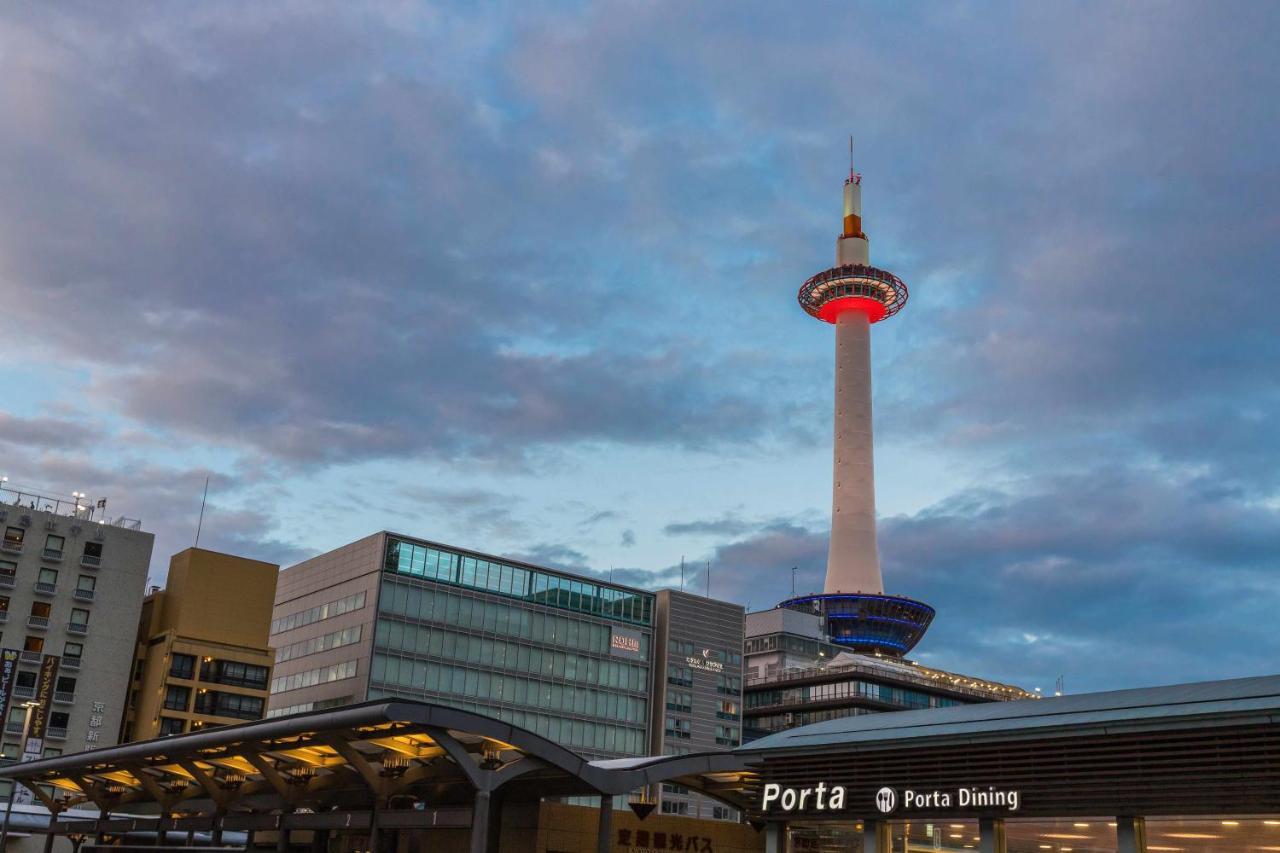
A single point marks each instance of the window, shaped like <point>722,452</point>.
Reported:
<point>10,751</point>
<point>92,554</point>
<point>52,752</point>
<point>727,710</point>
<point>235,705</point>
<point>727,736</point>
<point>41,609</point>
<point>26,679</point>
<point>73,650</point>
<point>59,720</point>
<point>678,701</point>
<point>678,728</point>
<point>675,807</point>
<point>79,616</point>
<point>86,583</point>
<point>234,673</point>
<point>8,568</point>
<point>182,666</point>
<point>53,546</point>
<point>48,577</point>
<point>4,604</point>
<point>177,698</point>
<point>681,676</point>
<point>66,684</point>
<point>730,684</point>
<point>13,537</point>
<point>170,726</point>
<point>33,644</point>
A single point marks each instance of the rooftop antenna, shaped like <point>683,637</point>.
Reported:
<point>708,579</point>
<point>200,523</point>
<point>682,572</point>
<point>851,157</point>
<point>793,575</point>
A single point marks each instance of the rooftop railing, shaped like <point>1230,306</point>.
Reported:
<point>71,506</point>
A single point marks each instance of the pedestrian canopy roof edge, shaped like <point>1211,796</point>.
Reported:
<point>355,757</point>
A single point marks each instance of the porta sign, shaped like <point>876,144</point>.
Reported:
<point>831,798</point>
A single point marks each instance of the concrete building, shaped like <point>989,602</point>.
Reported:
<point>202,656</point>
<point>794,676</point>
<point>71,584</point>
<point>697,698</point>
<point>567,657</point>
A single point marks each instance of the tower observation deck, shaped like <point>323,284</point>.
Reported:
<point>852,296</point>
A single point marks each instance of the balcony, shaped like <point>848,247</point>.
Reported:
<point>13,727</point>
<point>55,733</point>
<point>90,562</point>
<point>22,691</point>
<point>63,697</point>
<point>4,616</point>
<point>40,623</point>
<point>7,582</point>
<point>52,555</point>
<point>78,628</point>
<point>29,657</point>
<point>10,547</point>
<point>43,588</point>
<point>69,662</point>
<point>84,595</point>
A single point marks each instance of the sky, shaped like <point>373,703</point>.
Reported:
<point>521,278</point>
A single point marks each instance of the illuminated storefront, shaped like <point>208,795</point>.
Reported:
<point>1185,768</point>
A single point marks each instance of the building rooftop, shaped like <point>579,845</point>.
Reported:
<point>1083,714</point>
<point>848,663</point>
<point>75,505</point>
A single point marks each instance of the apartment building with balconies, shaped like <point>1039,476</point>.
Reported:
<point>71,584</point>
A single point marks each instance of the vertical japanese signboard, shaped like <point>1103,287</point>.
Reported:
<point>8,670</point>
<point>34,746</point>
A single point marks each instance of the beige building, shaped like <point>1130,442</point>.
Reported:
<point>202,654</point>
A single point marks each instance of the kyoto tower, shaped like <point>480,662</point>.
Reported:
<point>852,296</point>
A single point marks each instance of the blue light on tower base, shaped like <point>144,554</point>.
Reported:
<point>863,622</point>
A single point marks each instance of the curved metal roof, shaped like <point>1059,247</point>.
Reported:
<point>348,757</point>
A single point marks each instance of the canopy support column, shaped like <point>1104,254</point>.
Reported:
<point>876,837</point>
<point>1131,834</point>
<point>991,836</point>
<point>604,829</point>
<point>480,822</point>
<point>773,838</point>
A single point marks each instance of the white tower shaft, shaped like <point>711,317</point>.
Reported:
<point>853,562</point>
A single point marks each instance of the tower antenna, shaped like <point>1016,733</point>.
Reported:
<point>200,523</point>
<point>851,158</point>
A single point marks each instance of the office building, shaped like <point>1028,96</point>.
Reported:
<point>202,655</point>
<point>697,698</point>
<point>71,584</point>
<point>567,657</point>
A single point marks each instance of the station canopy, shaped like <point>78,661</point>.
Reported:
<point>390,755</point>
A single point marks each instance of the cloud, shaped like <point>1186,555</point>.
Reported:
<point>44,432</point>
<point>280,243</point>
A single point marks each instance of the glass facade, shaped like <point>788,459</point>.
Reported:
<point>567,658</point>
<point>525,583</point>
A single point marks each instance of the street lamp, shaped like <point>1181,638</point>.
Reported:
<point>13,785</point>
